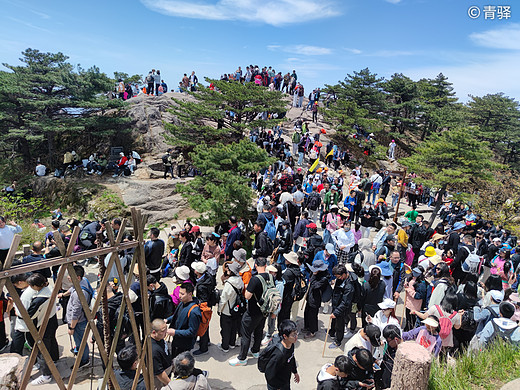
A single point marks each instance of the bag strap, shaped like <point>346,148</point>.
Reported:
<point>439,310</point>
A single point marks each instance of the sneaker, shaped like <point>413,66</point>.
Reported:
<point>205,373</point>
<point>198,352</point>
<point>35,368</point>
<point>309,335</point>
<point>333,346</point>
<point>237,362</point>
<point>266,340</point>
<point>348,334</point>
<point>222,349</point>
<point>114,175</point>
<point>232,346</point>
<point>41,380</point>
<point>254,354</point>
<point>100,173</point>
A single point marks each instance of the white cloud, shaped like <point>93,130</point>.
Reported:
<point>276,13</point>
<point>393,1</point>
<point>27,24</point>
<point>353,51</point>
<point>501,38</point>
<point>305,50</point>
<point>389,53</point>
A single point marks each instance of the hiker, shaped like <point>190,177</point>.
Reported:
<point>426,335</point>
<point>186,376</point>
<point>500,327</point>
<point>154,252</point>
<point>331,375</point>
<point>127,359</point>
<point>253,320</point>
<point>342,296</point>
<point>162,358</point>
<point>7,233</point>
<point>204,288</point>
<point>229,309</point>
<point>318,283</point>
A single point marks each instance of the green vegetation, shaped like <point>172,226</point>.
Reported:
<point>223,189</point>
<point>488,369</point>
<point>206,119</point>
<point>47,106</point>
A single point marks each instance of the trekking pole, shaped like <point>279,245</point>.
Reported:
<point>404,309</point>
<point>326,336</point>
<point>72,348</point>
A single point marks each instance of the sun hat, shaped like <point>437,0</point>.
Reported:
<point>430,321</point>
<point>199,267</point>
<point>514,297</point>
<point>182,272</point>
<point>271,268</point>
<point>430,251</point>
<point>291,258</point>
<point>386,304</point>
<point>435,259</point>
<point>318,265</point>
<point>334,207</point>
<point>386,269</point>
<point>417,271</point>
<point>240,255</point>
<point>329,248</point>
<point>372,267</point>
<point>344,212</point>
<point>234,267</point>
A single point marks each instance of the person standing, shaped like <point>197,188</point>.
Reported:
<point>150,80</point>
<point>344,240</point>
<point>342,297</point>
<point>282,362</point>
<point>153,253</point>
<point>230,318</point>
<point>253,320</point>
<point>162,359</point>
<point>157,81</point>
<point>234,234</point>
<point>7,233</point>
<point>193,81</point>
<point>391,150</point>
<point>368,219</point>
<point>315,112</point>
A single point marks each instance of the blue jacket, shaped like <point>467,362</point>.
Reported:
<point>185,326</point>
<point>234,235</point>
<point>331,262</point>
<point>347,204</point>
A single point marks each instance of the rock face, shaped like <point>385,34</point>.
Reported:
<point>11,370</point>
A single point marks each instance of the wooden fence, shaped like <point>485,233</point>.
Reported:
<point>66,261</point>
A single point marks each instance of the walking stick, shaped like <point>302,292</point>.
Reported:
<point>92,365</point>
<point>326,337</point>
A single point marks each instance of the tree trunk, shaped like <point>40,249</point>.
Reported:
<point>438,203</point>
<point>411,367</point>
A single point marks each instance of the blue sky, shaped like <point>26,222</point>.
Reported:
<point>322,40</point>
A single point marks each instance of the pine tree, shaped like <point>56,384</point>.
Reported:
<point>223,187</point>
<point>223,113</point>
<point>453,159</point>
<point>403,102</point>
<point>497,118</point>
<point>46,103</point>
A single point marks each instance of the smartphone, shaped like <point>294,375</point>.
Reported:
<point>376,367</point>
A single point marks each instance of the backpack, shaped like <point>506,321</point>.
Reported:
<point>90,291</point>
<point>472,262</point>
<point>165,159</point>
<point>300,287</point>
<point>498,332</point>
<point>214,297</point>
<point>324,220</point>
<point>240,305</point>
<point>296,138</point>
<point>166,307</point>
<point>267,353</point>
<point>314,201</point>
<point>86,239</point>
<point>149,78</point>
<point>468,322</point>
<point>206,313</point>
<point>270,229</point>
<point>271,299</point>
<point>445,323</point>
<point>352,256</point>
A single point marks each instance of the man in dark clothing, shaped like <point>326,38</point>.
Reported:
<point>234,234</point>
<point>419,234</point>
<point>360,371</point>
<point>37,255</point>
<point>467,248</point>
<point>392,335</point>
<point>204,288</point>
<point>314,243</point>
<point>282,362</point>
<point>330,375</point>
<point>342,296</point>
<point>291,275</point>
<point>300,230</point>
<point>87,236</point>
<point>263,244</point>
<point>481,244</point>
<point>454,238</point>
<point>162,359</point>
<point>253,320</point>
<point>153,253</point>
<point>127,359</point>
<point>161,303</point>
<point>185,322</point>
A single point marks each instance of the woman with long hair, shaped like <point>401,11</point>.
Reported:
<point>441,282</point>
<point>467,300</point>
<point>211,253</point>
<point>373,294</point>
<point>416,290</point>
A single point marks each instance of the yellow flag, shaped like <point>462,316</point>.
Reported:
<point>313,166</point>
<point>330,153</point>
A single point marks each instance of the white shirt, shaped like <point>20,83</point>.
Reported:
<point>7,234</point>
<point>341,238</point>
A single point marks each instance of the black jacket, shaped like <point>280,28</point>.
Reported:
<point>280,366</point>
<point>372,297</point>
<point>285,241</point>
<point>453,243</point>
<point>314,245</point>
<point>161,303</point>
<point>290,275</point>
<point>153,252</point>
<point>354,373</point>
<point>204,287</point>
<point>263,247</point>
<point>342,296</point>
<point>186,256</point>
<point>368,217</point>
<point>317,285</point>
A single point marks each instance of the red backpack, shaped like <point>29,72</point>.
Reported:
<point>445,323</point>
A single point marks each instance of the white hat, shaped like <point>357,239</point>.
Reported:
<point>291,258</point>
<point>372,267</point>
<point>199,267</point>
<point>497,296</point>
<point>386,304</point>
<point>182,272</point>
<point>271,268</point>
<point>430,321</point>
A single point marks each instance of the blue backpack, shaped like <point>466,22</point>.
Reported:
<point>270,228</point>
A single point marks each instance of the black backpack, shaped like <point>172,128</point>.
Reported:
<point>214,298</point>
<point>468,322</point>
<point>300,287</point>
<point>314,201</point>
<point>165,159</point>
<point>352,256</point>
<point>267,353</point>
<point>240,305</point>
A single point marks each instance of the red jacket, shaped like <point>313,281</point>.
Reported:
<point>122,161</point>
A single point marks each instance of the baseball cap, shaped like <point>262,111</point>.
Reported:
<point>195,229</point>
<point>311,225</point>
<point>497,296</point>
